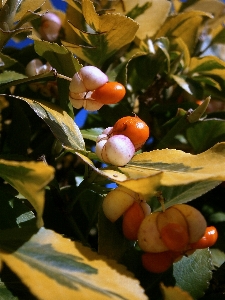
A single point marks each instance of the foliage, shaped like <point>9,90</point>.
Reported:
<point>55,242</point>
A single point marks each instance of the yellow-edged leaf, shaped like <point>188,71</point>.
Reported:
<point>177,5</point>
<point>213,7</point>
<point>27,5</point>
<point>174,292</point>
<point>61,124</point>
<point>54,267</point>
<point>30,180</point>
<point>111,32</point>
<point>178,167</point>
<point>146,184</point>
<point>153,17</point>
<point>178,44</point>
<point>185,26</point>
<point>210,65</point>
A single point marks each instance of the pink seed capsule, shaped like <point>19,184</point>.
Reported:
<point>92,77</point>
<point>87,79</point>
<point>118,150</point>
<point>50,27</point>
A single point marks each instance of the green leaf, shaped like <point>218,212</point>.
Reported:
<point>65,63</point>
<point>5,293</point>
<point>6,61</point>
<point>204,134</point>
<point>193,273</point>
<point>60,123</point>
<point>58,56</point>
<point>36,78</point>
<point>218,257</point>
<point>182,193</point>
<point>111,32</point>
<point>217,217</point>
<point>219,37</point>
<point>111,241</point>
<point>9,76</point>
<point>29,179</point>
<point>65,269</point>
<point>163,44</point>
<point>91,134</point>
<point>138,67</point>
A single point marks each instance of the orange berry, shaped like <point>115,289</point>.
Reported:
<point>175,236</point>
<point>109,93</point>
<point>132,219</point>
<point>208,239</point>
<point>134,128</point>
<point>157,262</point>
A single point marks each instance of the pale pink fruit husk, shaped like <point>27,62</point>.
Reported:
<point>92,77</point>
<point>118,150</point>
<point>117,202</point>
<point>149,239</point>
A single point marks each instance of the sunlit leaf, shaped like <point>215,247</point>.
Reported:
<point>206,64</point>
<point>111,32</point>
<point>27,5</point>
<point>146,184</point>
<point>193,273</point>
<point>178,167</point>
<point>183,82</point>
<point>185,26</point>
<point>219,36</point>
<point>65,269</point>
<point>207,80</point>
<point>152,18</point>
<point>179,45</point>
<point>60,123</point>
<point>29,179</point>
<point>171,293</point>
<point>209,6</point>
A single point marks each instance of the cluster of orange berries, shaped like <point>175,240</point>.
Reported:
<point>165,236</point>
<point>117,145</point>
